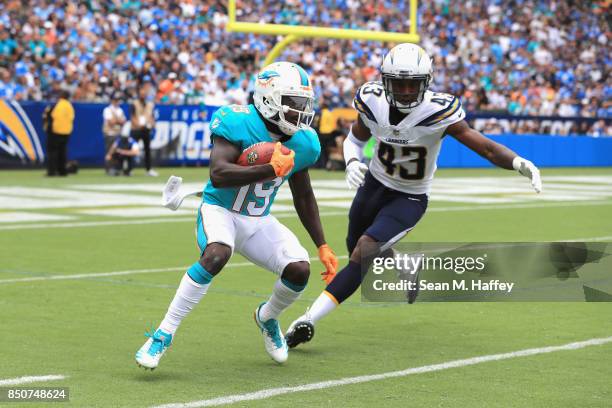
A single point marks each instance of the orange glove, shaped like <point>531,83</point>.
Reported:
<point>282,163</point>
<point>330,261</point>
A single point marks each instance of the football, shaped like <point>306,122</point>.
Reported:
<point>259,153</point>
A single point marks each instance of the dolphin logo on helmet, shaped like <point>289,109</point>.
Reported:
<point>284,96</point>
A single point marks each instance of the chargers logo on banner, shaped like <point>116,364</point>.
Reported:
<point>182,132</point>
<point>17,135</point>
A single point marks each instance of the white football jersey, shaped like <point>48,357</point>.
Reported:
<point>405,154</point>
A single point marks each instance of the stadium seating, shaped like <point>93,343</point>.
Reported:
<point>508,59</point>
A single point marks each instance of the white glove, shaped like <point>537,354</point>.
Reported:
<point>528,169</point>
<point>355,174</point>
<point>170,197</point>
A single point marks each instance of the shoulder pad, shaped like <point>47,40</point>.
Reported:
<point>307,148</point>
<point>367,97</point>
<point>314,146</point>
<point>310,132</point>
<point>442,110</point>
<point>226,119</point>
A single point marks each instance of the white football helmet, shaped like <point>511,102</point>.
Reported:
<point>284,96</point>
<point>406,62</point>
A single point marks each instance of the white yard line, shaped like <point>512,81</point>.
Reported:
<point>230,265</point>
<point>30,379</point>
<point>81,224</point>
<point>98,275</point>
<point>271,392</point>
<point>138,212</point>
<point>23,216</point>
<point>518,206</point>
<point>590,239</point>
<point>126,272</point>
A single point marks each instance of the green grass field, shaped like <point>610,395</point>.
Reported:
<point>88,328</point>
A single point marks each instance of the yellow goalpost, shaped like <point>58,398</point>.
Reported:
<point>295,33</point>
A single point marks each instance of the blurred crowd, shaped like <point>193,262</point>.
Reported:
<point>524,57</point>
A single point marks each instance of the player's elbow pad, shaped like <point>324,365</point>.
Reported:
<point>352,147</point>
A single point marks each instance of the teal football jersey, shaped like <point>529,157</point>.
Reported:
<point>242,126</point>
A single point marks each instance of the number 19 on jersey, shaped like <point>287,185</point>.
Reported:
<point>260,191</point>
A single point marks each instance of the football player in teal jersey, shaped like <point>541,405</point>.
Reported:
<point>235,209</point>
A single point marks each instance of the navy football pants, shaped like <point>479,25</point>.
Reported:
<point>384,214</point>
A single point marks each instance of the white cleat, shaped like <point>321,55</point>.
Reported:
<point>302,330</point>
<point>274,342</point>
<point>151,352</point>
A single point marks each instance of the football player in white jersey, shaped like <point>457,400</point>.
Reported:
<point>408,122</point>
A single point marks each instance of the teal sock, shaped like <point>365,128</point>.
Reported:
<point>198,274</point>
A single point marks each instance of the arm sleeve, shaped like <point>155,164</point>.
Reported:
<point>352,148</point>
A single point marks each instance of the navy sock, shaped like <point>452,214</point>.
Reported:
<point>346,282</point>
